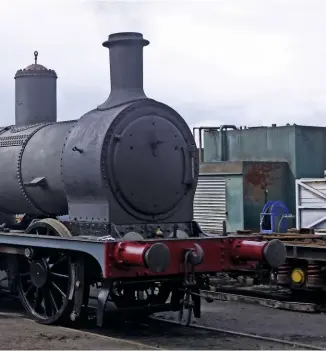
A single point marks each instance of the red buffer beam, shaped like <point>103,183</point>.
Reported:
<point>167,257</point>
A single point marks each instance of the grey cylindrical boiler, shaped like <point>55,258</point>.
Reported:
<point>35,95</point>
<point>30,167</point>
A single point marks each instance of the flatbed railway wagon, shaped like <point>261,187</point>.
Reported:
<point>305,267</point>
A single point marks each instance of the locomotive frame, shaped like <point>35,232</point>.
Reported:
<point>183,268</point>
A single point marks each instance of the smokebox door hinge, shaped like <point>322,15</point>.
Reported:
<point>189,157</point>
<point>36,182</point>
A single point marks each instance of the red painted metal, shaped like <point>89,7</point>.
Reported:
<point>248,250</point>
<point>219,256</point>
<point>130,253</point>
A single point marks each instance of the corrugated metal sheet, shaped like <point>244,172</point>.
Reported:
<point>210,203</point>
<point>311,203</point>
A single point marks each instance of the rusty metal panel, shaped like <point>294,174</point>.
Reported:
<point>262,182</point>
<point>311,203</point>
<point>210,203</point>
<point>215,168</point>
<point>260,177</point>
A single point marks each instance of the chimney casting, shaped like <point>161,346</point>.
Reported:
<point>126,68</point>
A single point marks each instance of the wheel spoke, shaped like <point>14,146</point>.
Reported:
<point>59,290</point>
<point>25,274</point>
<point>38,300</point>
<point>60,275</point>
<point>60,260</point>
<point>53,301</point>
<point>29,290</point>
<point>47,302</point>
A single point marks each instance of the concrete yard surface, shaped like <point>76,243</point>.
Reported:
<point>22,334</point>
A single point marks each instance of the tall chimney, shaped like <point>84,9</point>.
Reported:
<point>126,68</point>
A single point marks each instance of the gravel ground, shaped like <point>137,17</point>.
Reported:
<point>185,338</point>
<point>21,334</point>
<point>17,333</point>
<point>254,319</point>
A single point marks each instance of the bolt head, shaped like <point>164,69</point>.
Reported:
<point>28,252</point>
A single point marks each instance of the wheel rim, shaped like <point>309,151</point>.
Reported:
<point>46,284</point>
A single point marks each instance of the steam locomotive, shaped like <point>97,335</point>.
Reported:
<point>107,199</point>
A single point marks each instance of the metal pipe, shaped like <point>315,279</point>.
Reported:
<point>228,126</point>
<point>224,127</point>
<point>201,151</point>
<point>200,130</point>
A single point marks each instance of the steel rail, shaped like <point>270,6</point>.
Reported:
<point>296,306</point>
<point>247,335</point>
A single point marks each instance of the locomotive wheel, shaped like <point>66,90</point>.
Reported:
<point>46,284</point>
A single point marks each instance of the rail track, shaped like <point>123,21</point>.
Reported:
<point>155,335</point>
<point>271,300</point>
<point>291,344</point>
<point>159,332</point>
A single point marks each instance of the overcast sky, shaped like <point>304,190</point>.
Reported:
<point>243,62</point>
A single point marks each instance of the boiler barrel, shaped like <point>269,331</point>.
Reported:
<point>30,163</point>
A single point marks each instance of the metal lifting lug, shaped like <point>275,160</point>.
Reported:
<point>195,256</point>
<point>189,274</point>
<point>191,298</point>
<point>186,304</point>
